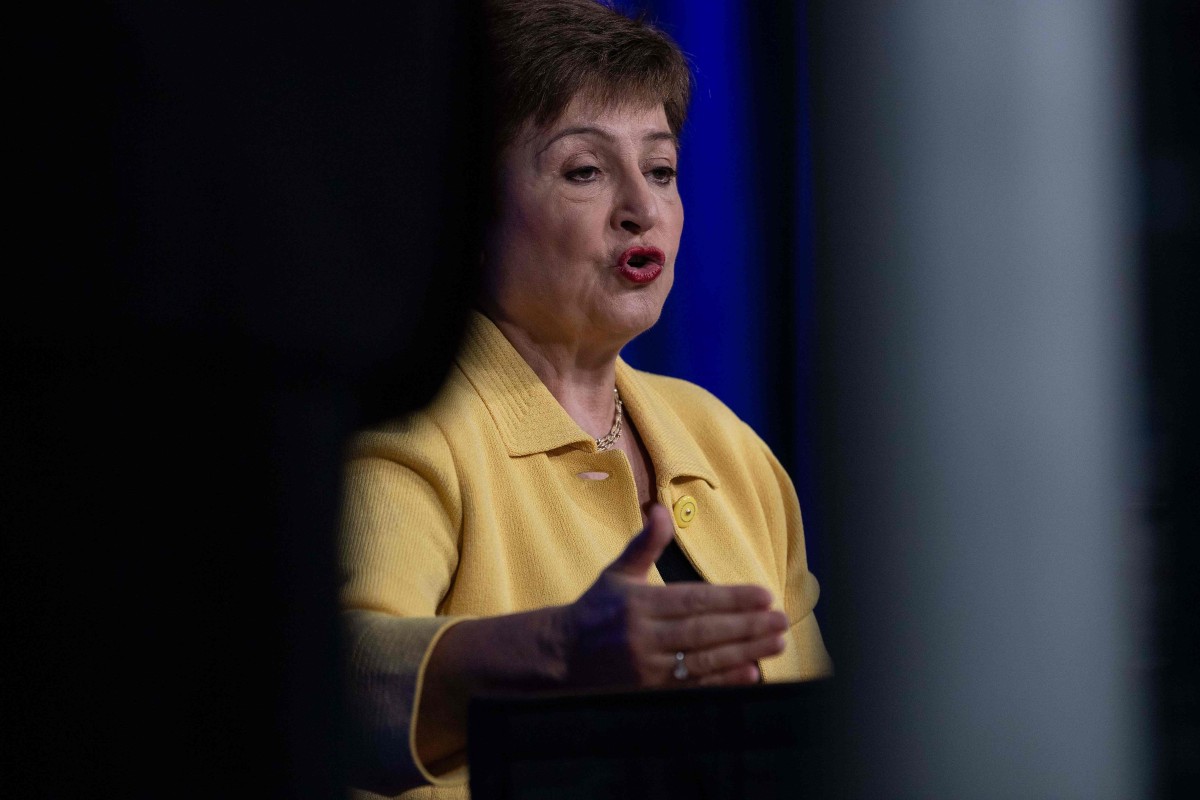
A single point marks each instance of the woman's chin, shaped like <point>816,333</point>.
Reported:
<point>634,314</point>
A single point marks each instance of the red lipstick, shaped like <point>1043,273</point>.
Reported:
<point>641,264</point>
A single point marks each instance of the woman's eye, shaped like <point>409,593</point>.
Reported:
<point>662,175</point>
<point>583,175</point>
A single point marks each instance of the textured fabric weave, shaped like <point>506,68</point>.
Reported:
<point>475,507</point>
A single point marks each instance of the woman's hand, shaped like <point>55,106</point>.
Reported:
<point>621,632</point>
<point>624,632</point>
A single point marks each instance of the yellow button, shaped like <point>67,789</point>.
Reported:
<point>685,510</point>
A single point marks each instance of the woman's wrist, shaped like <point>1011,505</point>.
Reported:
<point>510,653</point>
<point>526,651</point>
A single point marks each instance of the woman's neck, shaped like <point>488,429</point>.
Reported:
<point>580,375</point>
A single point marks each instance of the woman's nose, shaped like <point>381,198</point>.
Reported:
<point>636,209</point>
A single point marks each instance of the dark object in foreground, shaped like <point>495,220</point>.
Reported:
<point>224,207</point>
<point>772,741</point>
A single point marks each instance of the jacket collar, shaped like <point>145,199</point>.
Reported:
<point>530,420</point>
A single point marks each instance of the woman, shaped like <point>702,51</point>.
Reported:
<point>491,542</point>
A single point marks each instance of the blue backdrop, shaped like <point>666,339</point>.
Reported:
<point>739,320</point>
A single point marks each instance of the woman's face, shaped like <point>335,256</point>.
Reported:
<point>583,247</point>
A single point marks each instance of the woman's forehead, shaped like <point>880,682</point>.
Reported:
<point>615,120</point>
<point>592,105</point>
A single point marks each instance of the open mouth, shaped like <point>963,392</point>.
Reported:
<point>641,265</point>
<point>642,257</point>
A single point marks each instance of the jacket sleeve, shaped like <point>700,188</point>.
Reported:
<point>806,651</point>
<point>398,551</point>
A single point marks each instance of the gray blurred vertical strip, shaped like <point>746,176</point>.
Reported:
<point>975,268</point>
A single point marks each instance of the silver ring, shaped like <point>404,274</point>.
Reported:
<point>681,670</point>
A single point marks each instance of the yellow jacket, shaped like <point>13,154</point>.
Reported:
<point>475,507</point>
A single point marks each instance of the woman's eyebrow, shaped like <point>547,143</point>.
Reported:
<point>591,129</point>
<point>661,136</point>
<point>575,131</point>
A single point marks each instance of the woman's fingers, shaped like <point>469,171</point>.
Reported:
<point>680,600</point>
<point>647,546</point>
<point>710,630</point>
<point>717,664</point>
<point>623,631</point>
<point>743,675</point>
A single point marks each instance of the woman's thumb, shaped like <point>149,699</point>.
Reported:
<point>647,546</point>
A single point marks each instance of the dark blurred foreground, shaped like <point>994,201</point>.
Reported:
<point>247,230</point>
<point>1008,205</point>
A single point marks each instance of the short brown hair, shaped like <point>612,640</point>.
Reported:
<point>543,53</point>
